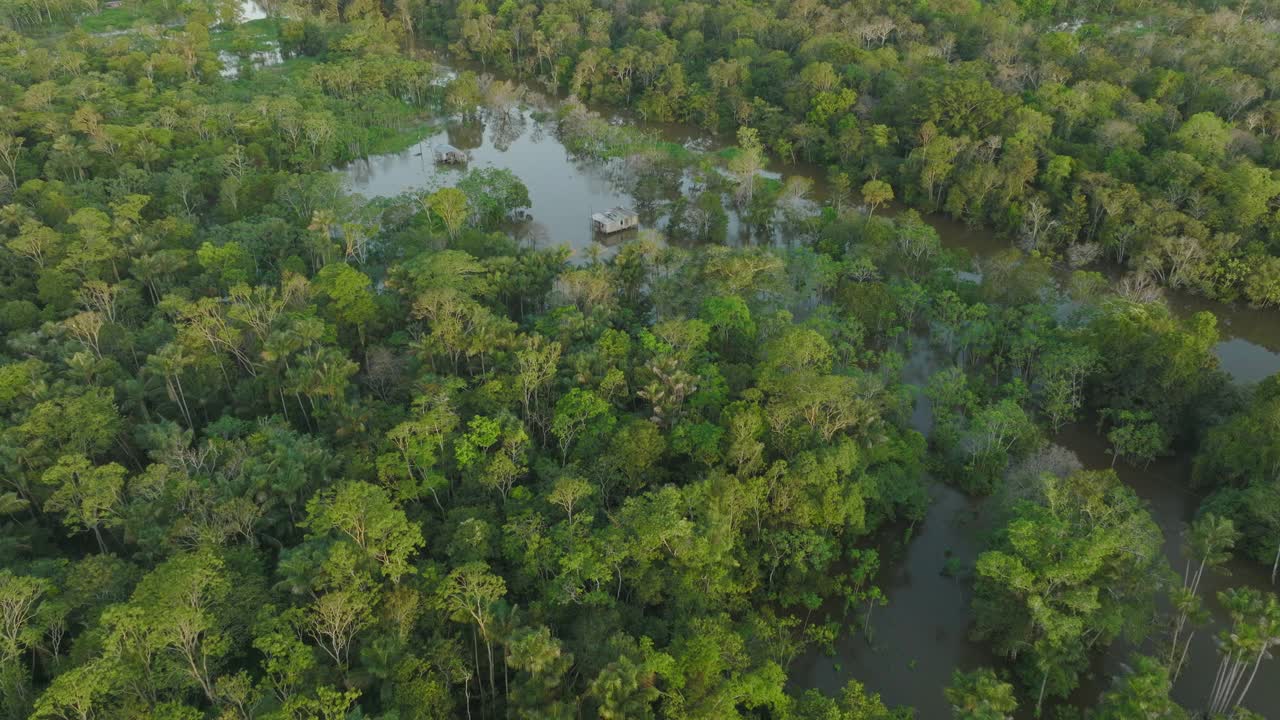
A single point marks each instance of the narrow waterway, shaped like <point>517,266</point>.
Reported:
<point>923,633</point>
<point>921,636</point>
<point>1163,486</point>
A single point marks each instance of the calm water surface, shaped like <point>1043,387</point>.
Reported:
<point>922,635</point>
<point>565,190</point>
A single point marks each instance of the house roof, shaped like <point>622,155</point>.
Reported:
<point>617,215</point>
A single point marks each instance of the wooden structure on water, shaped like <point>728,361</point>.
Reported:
<point>449,155</point>
<point>615,220</point>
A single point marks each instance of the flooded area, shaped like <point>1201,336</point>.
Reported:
<point>1250,347</point>
<point>1163,485</point>
<point>922,635</point>
<point>565,190</point>
<point>233,66</point>
<point>267,54</point>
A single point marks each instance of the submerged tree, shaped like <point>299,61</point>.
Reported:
<point>1255,629</point>
<point>1141,693</point>
<point>1076,567</point>
<point>980,695</point>
<point>1207,544</point>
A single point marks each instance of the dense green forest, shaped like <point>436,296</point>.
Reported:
<point>270,450</point>
<point>1145,134</point>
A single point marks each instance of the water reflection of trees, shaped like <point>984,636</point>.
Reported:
<point>499,113</point>
<point>532,233</point>
<point>507,121</point>
<point>652,178</point>
<point>465,134</point>
<point>505,127</point>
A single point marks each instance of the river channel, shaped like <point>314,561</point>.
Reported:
<point>923,633</point>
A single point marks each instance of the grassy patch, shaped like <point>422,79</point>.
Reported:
<point>273,79</point>
<point>393,141</point>
<point>112,19</point>
<point>394,126</point>
<point>645,143</point>
<point>727,153</point>
<point>252,36</point>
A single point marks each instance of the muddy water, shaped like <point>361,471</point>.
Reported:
<point>922,635</point>
<point>565,190</point>
<point>1163,486</point>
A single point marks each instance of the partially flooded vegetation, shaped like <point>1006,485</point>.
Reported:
<point>939,377</point>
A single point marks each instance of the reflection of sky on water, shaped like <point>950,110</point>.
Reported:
<point>565,191</point>
<point>1245,361</point>
<point>250,10</point>
<point>259,59</point>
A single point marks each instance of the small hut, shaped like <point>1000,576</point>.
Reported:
<point>615,220</point>
<point>449,154</point>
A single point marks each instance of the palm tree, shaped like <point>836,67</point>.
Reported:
<point>1254,631</point>
<point>1209,540</point>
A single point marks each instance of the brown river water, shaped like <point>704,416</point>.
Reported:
<point>921,636</point>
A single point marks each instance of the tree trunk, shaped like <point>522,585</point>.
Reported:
<point>1224,702</point>
<point>1275,565</point>
<point>466,689</point>
<point>475,651</point>
<point>1218,680</point>
<point>489,648</point>
<point>1195,583</point>
<point>1223,693</point>
<point>1040,700</point>
<point>1182,658</point>
<point>1252,675</point>
<point>1177,629</point>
